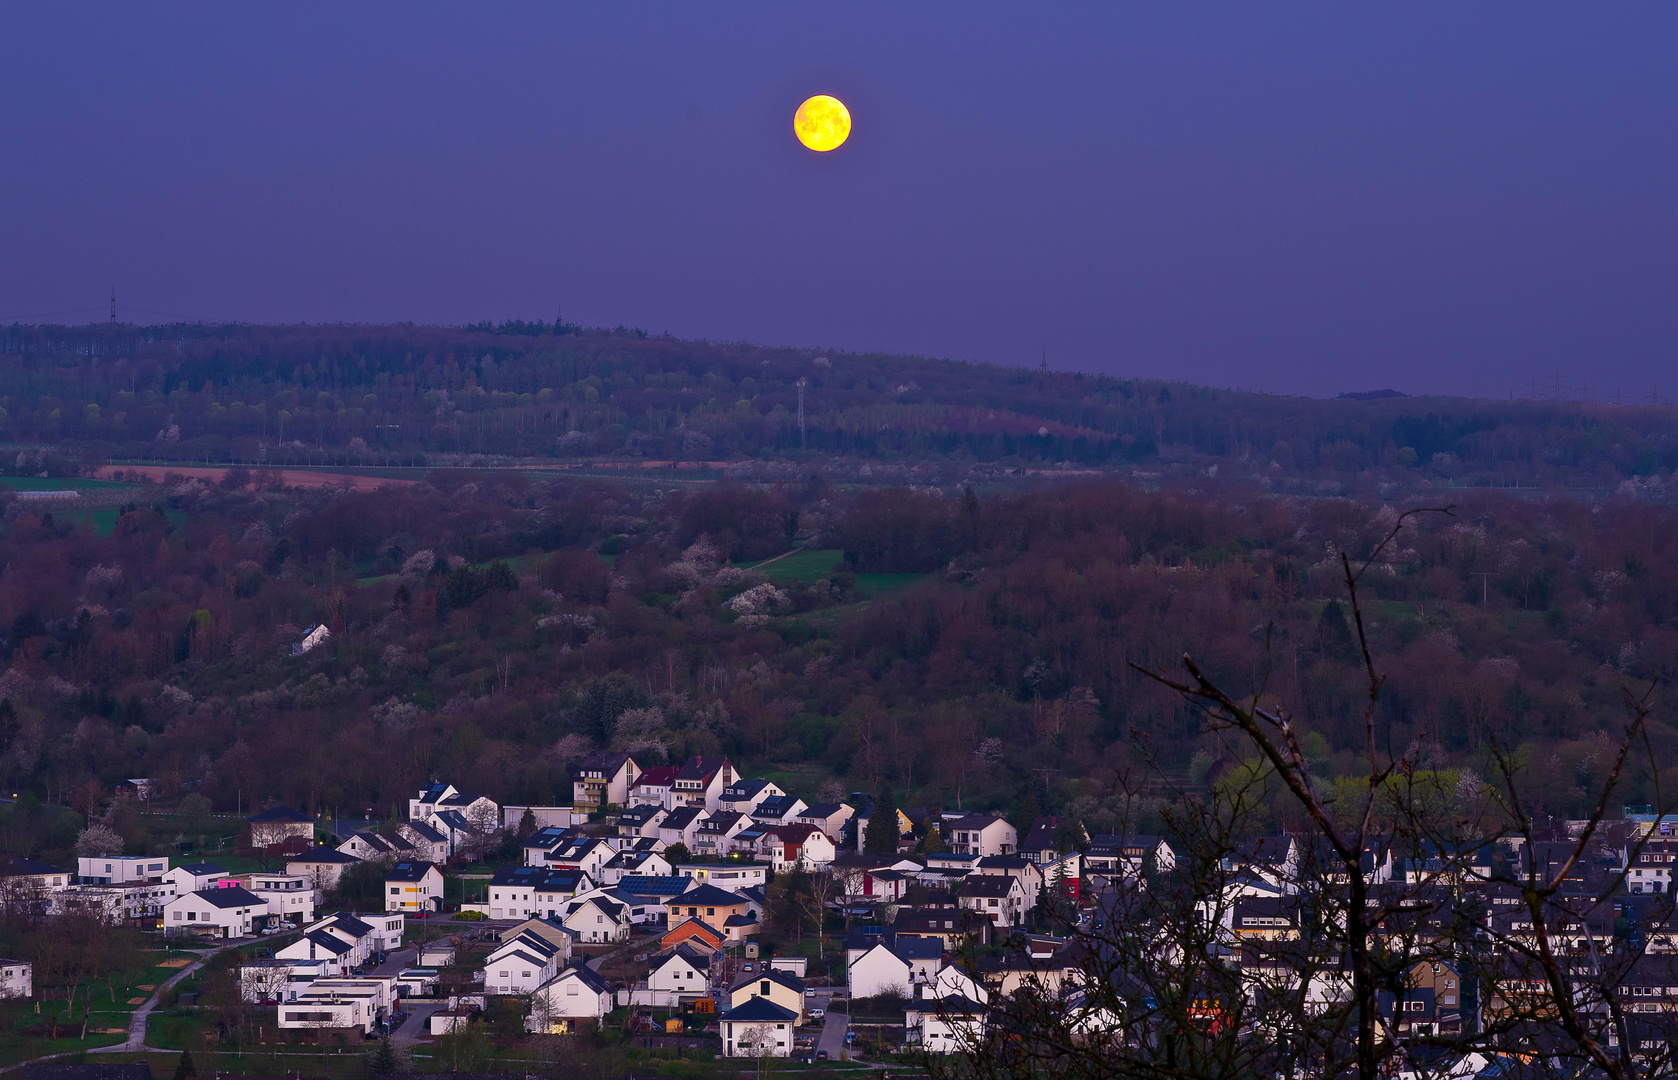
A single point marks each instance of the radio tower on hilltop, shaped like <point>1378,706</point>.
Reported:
<point>803,444</point>
<point>113,303</point>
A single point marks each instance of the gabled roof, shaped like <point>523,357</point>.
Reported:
<point>657,776</point>
<point>547,837</point>
<point>455,820</point>
<point>707,895</point>
<point>988,886</point>
<point>822,809</point>
<point>696,926</point>
<point>586,975</point>
<point>433,792</point>
<point>695,959</point>
<point>682,818</point>
<point>602,761</point>
<point>776,807</point>
<point>743,789</point>
<point>409,870</point>
<point>322,940</point>
<point>517,876</point>
<point>231,898</point>
<point>974,822</point>
<point>349,924</point>
<point>610,907</point>
<point>280,813</point>
<point>774,975</point>
<point>793,834</point>
<point>463,800</point>
<point>204,868</point>
<point>1041,835</point>
<point>426,832</point>
<point>905,947</point>
<point>722,821</point>
<point>654,885</point>
<point>759,1010</point>
<point>323,855</point>
<point>701,768</point>
<point>1005,862</point>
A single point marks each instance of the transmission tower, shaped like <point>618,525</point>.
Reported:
<point>803,444</point>
<point>113,303</point>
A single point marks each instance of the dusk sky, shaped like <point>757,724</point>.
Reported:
<point>1298,198</point>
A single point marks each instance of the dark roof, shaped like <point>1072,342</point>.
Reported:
<point>821,809</point>
<point>602,761</point>
<point>1041,835</point>
<point>18,866</point>
<point>231,898</point>
<point>654,885</point>
<point>699,960</point>
<point>987,885</point>
<point>698,768</point>
<point>1005,862</point>
<point>776,807</point>
<point>681,819</point>
<point>335,946</point>
<point>323,855</point>
<point>785,978</point>
<point>743,789</point>
<point>409,870</point>
<point>588,976</point>
<point>350,924</point>
<point>977,822</point>
<point>111,1071</point>
<point>917,948</point>
<point>759,1010</point>
<point>278,813</point>
<point>426,832</point>
<point>548,836</point>
<point>707,895</point>
<point>200,869</point>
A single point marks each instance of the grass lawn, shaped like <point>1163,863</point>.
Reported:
<point>809,565</point>
<point>64,483</point>
<point>872,585</point>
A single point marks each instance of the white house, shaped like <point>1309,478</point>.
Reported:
<point>576,993</point>
<point>642,863</point>
<point>681,826</point>
<point>597,919</point>
<point>603,778</point>
<point>281,825</point>
<point>758,1028</point>
<point>779,810</point>
<point>830,817</point>
<point>262,981</point>
<point>412,885</point>
<point>951,1024</point>
<point>225,913</point>
<point>998,897</point>
<point>195,876</point>
<point>744,796</point>
<point>683,971</point>
<point>340,1003</point>
<point>120,869</point>
<point>980,834</point>
<point>354,938</point>
<point>521,965</point>
<point>290,897</point>
<point>1030,875</point>
<point>322,866</point>
<point>789,846</point>
<point>651,790</point>
<point>701,781</point>
<point>560,816</point>
<point>17,979</point>
<point>1127,854</point>
<point>879,971</point>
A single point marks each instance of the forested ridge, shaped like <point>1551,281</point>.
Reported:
<point>416,395</point>
<point>962,646</point>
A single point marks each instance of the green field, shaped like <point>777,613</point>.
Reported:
<point>799,566</point>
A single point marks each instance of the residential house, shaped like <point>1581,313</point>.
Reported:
<point>651,790</point>
<point>522,964</point>
<point>512,817</point>
<point>757,1029</point>
<point>428,842</point>
<point>341,1003</point>
<point>548,838</point>
<point>603,779</point>
<point>701,782</point>
<point>1016,866</point>
<point>597,919</point>
<point>290,897</point>
<point>1265,918</point>
<point>695,933</point>
<point>952,1024</point>
<point>268,981</point>
<point>523,892</point>
<point>413,885</point>
<point>29,886</point>
<point>384,844</point>
<point>120,869</point>
<point>713,905</point>
<point>549,928</point>
<point>640,821</point>
<point>830,818</point>
<point>280,826</point>
<point>1650,867</point>
<point>634,863</point>
<point>790,846</point>
<point>999,898</point>
<point>17,979</point>
<point>116,903</point>
<point>981,834</point>
<point>685,970</point>
<point>194,876</point>
<point>353,939</point>
<point>728,876</point>
<point>223,913</point>
<point>322,866</point>
<point>1041,843</point>
<point>717,830</point>
<point>681,826</point>
<point>857,826</point>
<point>953,926</point>
<point>895,967</point>
<point>576,993</point>
<point>778,810</point>
<point>782,987</point>
<point>585,853</point>
<point>1128,854</point>
<point>744,796</point>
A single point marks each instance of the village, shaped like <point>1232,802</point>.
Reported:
<point>687,907</point>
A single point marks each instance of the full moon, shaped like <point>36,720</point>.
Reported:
<point>822,123</point>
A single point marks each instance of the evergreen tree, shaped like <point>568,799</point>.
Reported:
<point>882,835</point>
<point>933,844</point>
<point>382,1061</point>
<point>184,1067</point>
<point>527,825</point>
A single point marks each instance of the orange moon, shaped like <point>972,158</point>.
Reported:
<point>822,123</point>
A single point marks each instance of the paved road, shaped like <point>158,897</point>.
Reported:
<point>833,1035</point>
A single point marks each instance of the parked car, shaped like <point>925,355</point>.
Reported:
<point>821,1055</point>
<point>817,1014</point>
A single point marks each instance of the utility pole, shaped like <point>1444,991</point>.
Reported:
<point>1485,587</point>
<point>803,443</point>
<point>113,304</point>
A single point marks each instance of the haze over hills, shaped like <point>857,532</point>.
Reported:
<point>357,395</point>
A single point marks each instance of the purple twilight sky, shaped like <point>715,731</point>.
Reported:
<point>1305,198</point>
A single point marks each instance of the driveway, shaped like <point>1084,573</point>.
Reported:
<point>833,1035</point>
